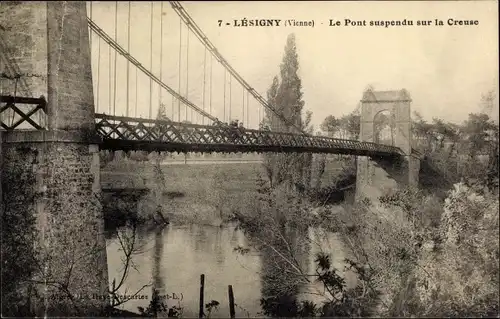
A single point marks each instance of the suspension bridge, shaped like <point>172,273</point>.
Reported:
<point>78,78</point>
<point>173,92</point>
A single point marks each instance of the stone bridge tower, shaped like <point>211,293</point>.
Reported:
<point>51,212</point>
<point>377,176</point>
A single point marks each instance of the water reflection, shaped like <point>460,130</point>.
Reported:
<point>181,254</point>
<point>284,271</point>
<point>158,282</point>
<point>173,260</point>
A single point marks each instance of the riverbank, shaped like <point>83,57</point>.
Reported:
<point>204,193</point>
<point>202,196</point>
<point>423,256</point>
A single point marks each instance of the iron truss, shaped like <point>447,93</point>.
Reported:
<point>19,110</point>
<point>135,134</point>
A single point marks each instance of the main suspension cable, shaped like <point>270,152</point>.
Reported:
<point>213,50</point>
<point>104,36</point>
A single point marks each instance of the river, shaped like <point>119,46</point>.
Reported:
<point>183,253</point>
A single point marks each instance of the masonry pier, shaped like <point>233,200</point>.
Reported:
<point>51,177</point>
<point>377,176</point>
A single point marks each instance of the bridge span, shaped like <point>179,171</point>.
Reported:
<point>53,127</point>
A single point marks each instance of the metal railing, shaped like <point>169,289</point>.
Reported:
<point>118,132</point>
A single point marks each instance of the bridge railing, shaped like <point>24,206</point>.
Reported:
<point>137,131</point>
<point>22,113</point>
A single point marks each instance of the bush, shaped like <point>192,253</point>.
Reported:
<point>460,275</point>
<point>428,257</point>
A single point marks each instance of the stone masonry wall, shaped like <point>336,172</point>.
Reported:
<point>414,170</point>
<point>376,177</point>
<point>23,53</point>
<point>57,171</point>
<point>57,189</point>
<point>23,47</point>
<point>70,99</point>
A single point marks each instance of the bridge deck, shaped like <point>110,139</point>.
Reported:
<point>134,134</point>
<point>137,134</point>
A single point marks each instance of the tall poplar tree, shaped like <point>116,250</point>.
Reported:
<point>285,96</point>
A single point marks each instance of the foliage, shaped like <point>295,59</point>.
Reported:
<point>346,126</point>
<point>425,256</point>
<point>217,196</point>
<point>19,258</point>
<point>459,273</point>
<point>343,302</point>
<point>334,189</point>
<point>28,267</point>
<point>474,136</point>
<point>383,242</point>
<point>213,305</point>
<point>157,306</point>
<point>105,157</point>
<point>331,125</point>
<point>285,96</point>
<point>278,229</point>
<point>138,156</point>
<point>318,166</point>
<point>479,130</point>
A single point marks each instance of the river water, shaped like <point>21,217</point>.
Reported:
<point>182,253</point>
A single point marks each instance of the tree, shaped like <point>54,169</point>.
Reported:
<point>444,131</point>
<point>330,125</point>
<point>479,130</point>
<point>272,92</point>
<point>350,125</point>
<point>289,95</point>
<point>306,159</point>
<point>488,102</point>
<point>162,113</point>
<point>422,131</point>
<point>383,122</point>
<point>285,96</point>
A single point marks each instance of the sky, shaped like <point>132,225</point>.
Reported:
<point>445,69</point>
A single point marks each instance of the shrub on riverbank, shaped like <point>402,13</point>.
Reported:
<point>428,257</point>
<point>458,276</point>
<point>414,254</point>
<point>278,223</point>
